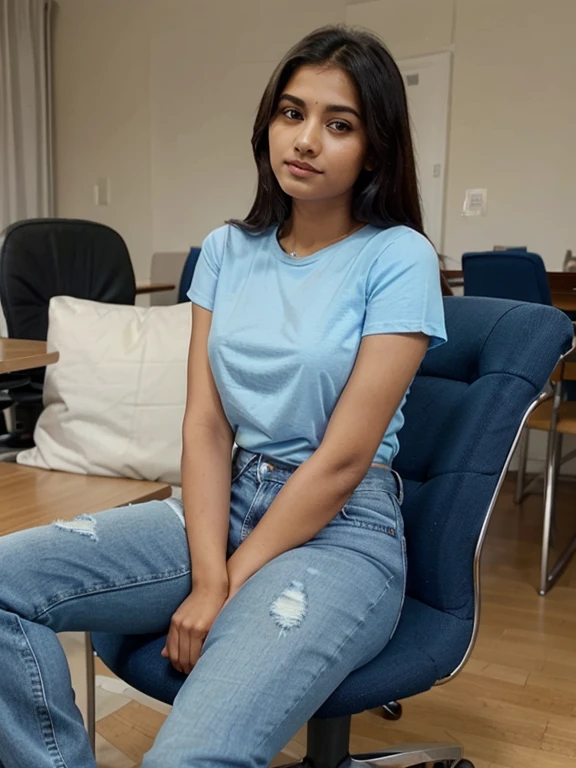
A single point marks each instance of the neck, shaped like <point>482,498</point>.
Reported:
<point>312,225</point>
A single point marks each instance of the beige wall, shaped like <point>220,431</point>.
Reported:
<point>210,63</point>
<point>513,125</point>
<point>102,116</point>
<point>408,27</point>
<point>159,96</point>
<point>513,113</point>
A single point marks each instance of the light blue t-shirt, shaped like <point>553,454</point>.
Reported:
<point>286,331</point>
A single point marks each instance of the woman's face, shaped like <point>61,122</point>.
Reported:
<point>317,138</point>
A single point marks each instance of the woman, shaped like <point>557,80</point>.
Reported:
<point>310,319</point>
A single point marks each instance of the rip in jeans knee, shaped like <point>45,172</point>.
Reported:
<point>290,608</point>
<point>84,525</point>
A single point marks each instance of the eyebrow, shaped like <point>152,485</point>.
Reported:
<point>330,107</point>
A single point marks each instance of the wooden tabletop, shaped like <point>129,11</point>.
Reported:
<point>22,355</point>
<point>148,287</point>
<point>31,497</point>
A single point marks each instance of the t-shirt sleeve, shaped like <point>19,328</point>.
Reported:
<point>403,290</point>
<point>203,287</point>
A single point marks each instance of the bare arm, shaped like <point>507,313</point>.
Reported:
<point>315,493</point>
<point>206,456</point>
<point>207,447</point>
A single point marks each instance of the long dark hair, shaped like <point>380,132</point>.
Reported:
<point>388,194</point>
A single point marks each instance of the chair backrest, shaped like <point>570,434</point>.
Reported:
<point>188,274</point>
<point>42,258</point>
<point>512,274</point>
<point>167,267</point>
<point>461,419</point>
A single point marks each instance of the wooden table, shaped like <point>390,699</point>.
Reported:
<point>23,355</point>
<point>149,287</point>
<point>562,287</point>
<point>563,290</point>
<point>32,497</point>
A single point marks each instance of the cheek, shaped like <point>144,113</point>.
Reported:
<point>349,158</point>
<point>275,142</point>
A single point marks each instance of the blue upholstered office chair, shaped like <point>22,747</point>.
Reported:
<point>187,274</point>
<point>520,275</point>
<point>464,414</point>
<point>512,274</point>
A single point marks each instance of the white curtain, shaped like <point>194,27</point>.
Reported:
<point>26,186</point>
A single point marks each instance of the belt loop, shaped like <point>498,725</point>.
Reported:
<point>400,485</point>
<point>259,463</point>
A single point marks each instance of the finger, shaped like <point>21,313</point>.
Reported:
<point>172,647</point>
<point>184,651</point>
<point>196,650</point>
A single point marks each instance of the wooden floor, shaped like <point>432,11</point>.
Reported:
<point>514,705</point>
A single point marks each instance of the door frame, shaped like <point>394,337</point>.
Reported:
<point>444,59</point>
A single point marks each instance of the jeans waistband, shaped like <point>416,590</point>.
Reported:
<point>377,478</point>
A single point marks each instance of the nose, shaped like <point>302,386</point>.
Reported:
<point>308,141</point>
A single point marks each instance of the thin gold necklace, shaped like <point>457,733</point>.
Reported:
<point>355,228</point>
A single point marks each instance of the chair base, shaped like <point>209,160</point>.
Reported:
<point>392,710</point>
<point>410,756</point>
<point>328,747</point>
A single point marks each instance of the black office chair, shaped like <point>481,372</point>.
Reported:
<point>42,258</point>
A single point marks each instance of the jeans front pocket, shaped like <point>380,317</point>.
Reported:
<point>376,511</point>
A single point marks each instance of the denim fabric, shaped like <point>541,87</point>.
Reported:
<point>289,637</point>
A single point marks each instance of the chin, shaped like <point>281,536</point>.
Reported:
<point>298,190</point>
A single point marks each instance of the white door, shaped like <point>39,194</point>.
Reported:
<point>427,81</point>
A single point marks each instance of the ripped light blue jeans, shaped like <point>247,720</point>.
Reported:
<point>289,637</point>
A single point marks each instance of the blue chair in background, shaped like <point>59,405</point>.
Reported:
<point>521,275</point>
<point>463,417</point>
<point>512,274</point>
<point>187,274</point>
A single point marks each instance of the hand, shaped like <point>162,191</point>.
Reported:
<point>189,627</point>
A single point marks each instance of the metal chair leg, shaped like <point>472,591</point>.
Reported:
<point>90,691</point>
<point>552,455</point>
<point>554,529</point>
<point>522,461</point>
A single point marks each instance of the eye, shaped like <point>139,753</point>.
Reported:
<point>291,113</point>
<point>340,126</point>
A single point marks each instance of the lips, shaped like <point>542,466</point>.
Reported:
<point>302,170</point>
<point>302,166</point>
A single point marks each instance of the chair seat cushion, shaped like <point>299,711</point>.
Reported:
<point>427,646</point>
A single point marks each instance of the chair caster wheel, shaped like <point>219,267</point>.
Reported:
<point>464,764</point>
<point>393,711</point>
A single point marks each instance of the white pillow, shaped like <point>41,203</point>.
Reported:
<point>114,402</point>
